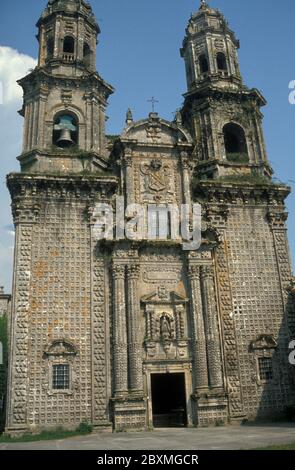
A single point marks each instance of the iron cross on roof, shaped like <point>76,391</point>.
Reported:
<point>153,101</point>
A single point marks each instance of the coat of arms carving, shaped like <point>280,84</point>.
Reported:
<point>157,179</point>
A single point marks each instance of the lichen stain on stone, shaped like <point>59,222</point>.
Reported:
<point>40,269</point>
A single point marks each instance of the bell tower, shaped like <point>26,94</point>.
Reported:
<point>222,113</point>
<point>64,97</point>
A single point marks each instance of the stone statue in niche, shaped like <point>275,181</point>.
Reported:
<point>166,336</point>
<point>166,328</point>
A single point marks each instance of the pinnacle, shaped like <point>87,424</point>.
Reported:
<point>203,4</point>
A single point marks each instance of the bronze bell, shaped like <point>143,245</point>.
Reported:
<point>65,139</point>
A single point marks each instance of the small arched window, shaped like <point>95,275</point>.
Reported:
<point>65,131</point>
<point>87,54</point>
<point>50,48</point>
<point>69,45</point>
<point>221,62</point>
<point>204,66</point>
<point>235,143</point>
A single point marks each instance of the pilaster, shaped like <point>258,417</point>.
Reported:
<point>120,358</point>
<point>211,327</point>
<point>200,365</point>
<point>134,343</point>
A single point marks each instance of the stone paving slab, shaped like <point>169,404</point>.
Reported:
<point>219,438</point>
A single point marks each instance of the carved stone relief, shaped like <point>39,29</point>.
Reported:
<point>166,325</point>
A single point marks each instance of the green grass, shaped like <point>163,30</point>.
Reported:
<point>279,447</point>
<point>59,433</point>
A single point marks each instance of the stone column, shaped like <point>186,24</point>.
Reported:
<point>25,215</point>
<point>119,331</point>
<point>129,180</point>
<point>186,178</point>
<point>277,219</point>
<point>200,367</point>
<point>211,327</point>
<point>134,342</point>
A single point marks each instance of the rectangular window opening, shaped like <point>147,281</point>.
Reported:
<point>265,368</point>
<point>61,377</point>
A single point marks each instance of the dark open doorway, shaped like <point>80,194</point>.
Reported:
<point>168,400</point>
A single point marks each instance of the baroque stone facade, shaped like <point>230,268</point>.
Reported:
<point>134,333</point>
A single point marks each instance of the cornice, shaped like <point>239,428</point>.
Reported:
<point>43,76</point>
<point>209,91</point>
<point>219,192</point>
<point>74,186</point>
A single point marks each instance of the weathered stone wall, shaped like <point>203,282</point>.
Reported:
<point>259,305</point>
<point>60,308</point>
<point>3,367</point>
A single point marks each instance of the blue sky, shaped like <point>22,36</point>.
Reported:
<point>139,55</point>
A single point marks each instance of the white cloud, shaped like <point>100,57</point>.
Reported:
<point>13,66</point>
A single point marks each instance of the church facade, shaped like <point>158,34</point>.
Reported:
<point>129,334</point>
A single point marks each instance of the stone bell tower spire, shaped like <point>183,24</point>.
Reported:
<point>64,97</point>
<point>68,36</point>
<point>210,49</point>
<point>222,113</point>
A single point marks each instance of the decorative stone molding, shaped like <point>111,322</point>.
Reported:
<point>166,335</point>
<point>61,187</point>
<point>221,193</point>
<point>118,271</point>
<point>100,343</point>
<point>59,352</point>
<point>127,161</point>
<point>212,328</point>
<point>230,346</point>
<point>263,347</point>
<point>50,81</point>
<point>277,219</point>
<point>133,271</point>
<point>60,347</point>
<point>134,342</point>
<point>120,355</point>
<point>263,342</point>
<point>19,340</point>
<point>200,364</point>
<point>25,212</point>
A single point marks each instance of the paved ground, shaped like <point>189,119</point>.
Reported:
<point>230,437</point>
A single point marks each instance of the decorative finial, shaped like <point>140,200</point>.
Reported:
<point>203,4</point>
<point>178,117</point>
<point>129,117</point>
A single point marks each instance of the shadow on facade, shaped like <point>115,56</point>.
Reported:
<point>3,369</point>
<point>276,380</point>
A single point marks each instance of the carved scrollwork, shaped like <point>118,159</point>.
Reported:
<point>263,342</point>
<point>61,347</point>
<point>57,352</point>
<point>165,325</point>
<point>194,272</point>
<point>133,271</point>
<point>25,212</point>
<point>277,219</point>
<point>118,271</point>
